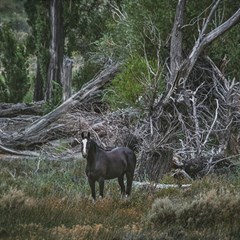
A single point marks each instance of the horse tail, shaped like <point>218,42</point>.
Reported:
<point>131,160</point>
<point>132,143</point>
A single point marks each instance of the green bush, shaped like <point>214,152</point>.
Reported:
<point>15,70</point>
<point>85,74</point>
<point>134,86</point>
<point>216,209</point>
<point>126,32</point>
<point>4,91</point>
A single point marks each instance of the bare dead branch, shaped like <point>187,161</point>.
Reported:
<point>213,123</point>
<point>220,30</point>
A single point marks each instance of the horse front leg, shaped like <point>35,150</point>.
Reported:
<point>92,186</point>
<point>101,186</point>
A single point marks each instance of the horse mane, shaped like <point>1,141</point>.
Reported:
<point>95,143</point>
<point>100,147</point>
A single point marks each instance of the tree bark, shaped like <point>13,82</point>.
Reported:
<point>38,86</point>
<point>176,40</point>
<point>67,78</point>
<point>56,48</point>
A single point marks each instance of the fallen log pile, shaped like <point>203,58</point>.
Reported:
<point>23,131</point>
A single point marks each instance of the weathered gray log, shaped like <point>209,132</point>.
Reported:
<point>12,110</point>
<point>176,40</point>
<point>137,184</point>
<point>16,152</point>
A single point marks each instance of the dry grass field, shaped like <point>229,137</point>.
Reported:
<point>54,203</point>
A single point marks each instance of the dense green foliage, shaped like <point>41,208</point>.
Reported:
<point>38,41</point>
<point>134,24</point>
<point>137,35</point>
<point>138,27</point>
<point>84,24</point>
<point>134,86</point>
<point>104,31</point>
<point>14,82</point>
<point>12,13</point>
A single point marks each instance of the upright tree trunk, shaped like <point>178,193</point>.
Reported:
<point>67,78</point>
<point>176,40</point>
<point>56,49</point>
<point>38,86</point>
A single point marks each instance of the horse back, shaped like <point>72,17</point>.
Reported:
<point>124,154</point>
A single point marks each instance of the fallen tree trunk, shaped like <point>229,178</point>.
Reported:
<point>19,153</point>
<point>30,134</point>
<point>155,186</point>
<point>8,110</point>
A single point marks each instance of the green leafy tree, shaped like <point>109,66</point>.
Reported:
<point>15,70</point>
<point>38,42</point>
<point>85,23</point>
<point>138,36</point>
<point>131,25</point>
<point>4,91</point>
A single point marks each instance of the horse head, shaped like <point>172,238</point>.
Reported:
<point>85,144</point>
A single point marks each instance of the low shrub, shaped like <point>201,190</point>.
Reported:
<point>216,210</point>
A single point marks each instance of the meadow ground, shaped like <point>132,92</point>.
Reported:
<point>42,199</point>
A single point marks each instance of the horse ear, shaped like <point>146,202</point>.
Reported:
<point>88,134</point>
<point>82,135</point>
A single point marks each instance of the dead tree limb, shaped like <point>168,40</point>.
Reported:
<point>181,75</point>
<point>205,39</point>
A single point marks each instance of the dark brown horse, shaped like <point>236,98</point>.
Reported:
<point>103,165</point>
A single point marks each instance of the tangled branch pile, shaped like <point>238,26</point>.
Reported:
<point>196,130</point>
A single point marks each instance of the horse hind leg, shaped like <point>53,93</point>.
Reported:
<point>121,183</point>
<point>129,183</point>
<point>101,186</point>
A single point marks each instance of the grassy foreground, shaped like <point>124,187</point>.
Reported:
<point>54,203</point>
